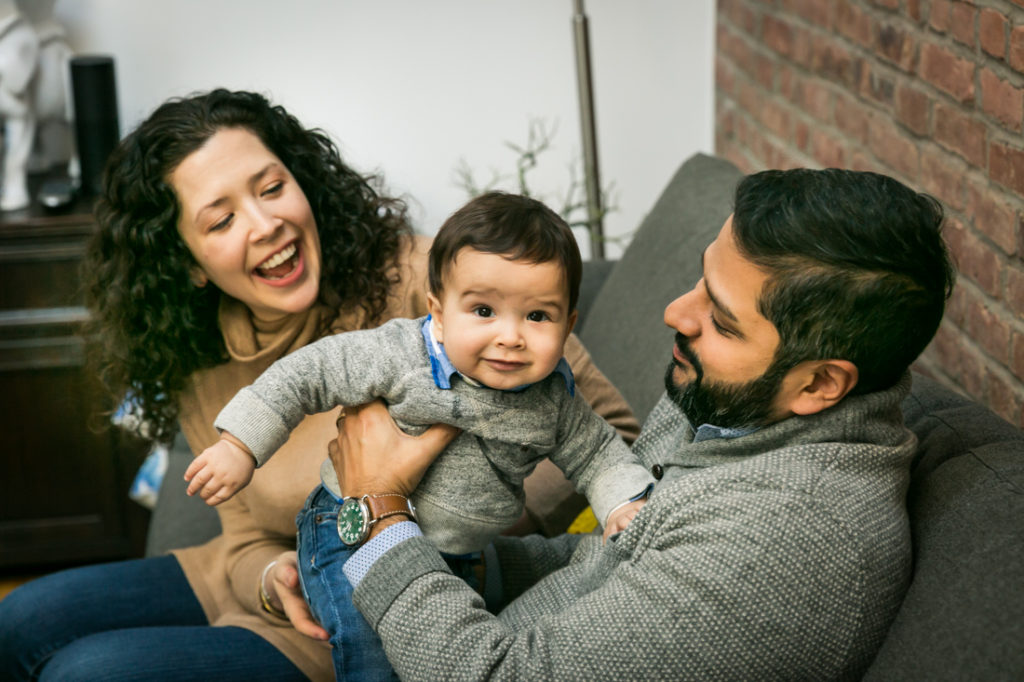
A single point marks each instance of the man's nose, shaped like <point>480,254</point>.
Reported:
<point>682,315</point>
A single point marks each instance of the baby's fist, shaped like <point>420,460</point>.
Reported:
<point>621,517</point>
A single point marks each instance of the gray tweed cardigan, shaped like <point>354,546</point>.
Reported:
<point>474,490</point>
<point>783,554</point>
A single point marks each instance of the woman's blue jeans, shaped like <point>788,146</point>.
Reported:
<point>127,620</point>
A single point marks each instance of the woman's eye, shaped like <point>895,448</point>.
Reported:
<point>222,223</point>
<point>483,311</point>
<point>538,316</point>
<point>273,189</point>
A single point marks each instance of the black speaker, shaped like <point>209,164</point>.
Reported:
<point>97,129</point>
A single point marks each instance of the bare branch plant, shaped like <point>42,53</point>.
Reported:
<point>572,205</point>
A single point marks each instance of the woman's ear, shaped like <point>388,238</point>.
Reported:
<point>820,384</point>
<point>198,277</point>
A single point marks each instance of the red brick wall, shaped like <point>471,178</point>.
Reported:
<point>928,91</point>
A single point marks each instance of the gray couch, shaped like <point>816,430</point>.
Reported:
<point>963,617</point>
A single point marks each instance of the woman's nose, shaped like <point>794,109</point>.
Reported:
<point>264,224</point>
<point>683,316</point>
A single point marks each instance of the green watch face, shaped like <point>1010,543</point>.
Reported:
<point>352,521</point>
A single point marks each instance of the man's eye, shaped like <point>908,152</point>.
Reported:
<point>538,316</point>
<point>719,328</point>
<point>483,311</point>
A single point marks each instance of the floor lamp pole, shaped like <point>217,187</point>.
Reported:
<point>589,131</point>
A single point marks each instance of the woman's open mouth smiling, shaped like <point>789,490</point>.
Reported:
<point>282,268</point>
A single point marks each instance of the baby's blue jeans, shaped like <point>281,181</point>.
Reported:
<point>357,650</point>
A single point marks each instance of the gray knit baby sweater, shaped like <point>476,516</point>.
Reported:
<point>782,554</point>
<point>474,490</point>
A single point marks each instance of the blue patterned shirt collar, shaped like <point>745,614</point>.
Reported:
<point>443,370</point>
<point>711,432</point>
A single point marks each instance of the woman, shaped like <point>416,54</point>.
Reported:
<point>229,236</point>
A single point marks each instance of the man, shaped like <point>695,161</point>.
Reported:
<point>775,543</point>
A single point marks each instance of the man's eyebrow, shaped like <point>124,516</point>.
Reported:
<point>714,300</point>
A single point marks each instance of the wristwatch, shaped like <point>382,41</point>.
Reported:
<point>357,515</point>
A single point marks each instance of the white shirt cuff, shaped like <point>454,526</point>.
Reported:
<point>360,563</point>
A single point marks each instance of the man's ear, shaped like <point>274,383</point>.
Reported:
<point>197,276</point>
<point>434,308</point>
<point>818,385</point>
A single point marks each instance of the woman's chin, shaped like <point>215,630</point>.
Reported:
<point>298,300</point>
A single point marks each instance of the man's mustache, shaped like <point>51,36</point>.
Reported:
<point>684,349</point>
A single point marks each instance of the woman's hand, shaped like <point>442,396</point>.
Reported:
<point>372,455</point>
<point>281,584</point>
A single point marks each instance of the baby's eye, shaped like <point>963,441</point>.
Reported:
<point>538,316</point>
<point>483,311</point>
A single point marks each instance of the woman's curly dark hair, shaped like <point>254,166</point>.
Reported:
<point>151,326</point>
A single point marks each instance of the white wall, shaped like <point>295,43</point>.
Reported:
<point>408,87</point>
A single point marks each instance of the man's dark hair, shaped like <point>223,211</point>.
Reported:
<point>858,269</point>
<point>510,225</point>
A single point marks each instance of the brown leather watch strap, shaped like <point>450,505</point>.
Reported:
<point>384,505</point>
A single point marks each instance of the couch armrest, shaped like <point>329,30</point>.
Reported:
<point>963,615</point>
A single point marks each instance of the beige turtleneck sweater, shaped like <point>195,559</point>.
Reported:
<point>259,522</point>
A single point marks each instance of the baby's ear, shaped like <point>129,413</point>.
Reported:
<point>572,322</point>
<point>434,308</point>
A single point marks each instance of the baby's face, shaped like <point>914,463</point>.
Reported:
<point>502,322</point>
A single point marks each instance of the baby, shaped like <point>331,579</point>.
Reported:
<point>504,278</point>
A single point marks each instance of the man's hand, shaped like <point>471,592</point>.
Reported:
<point>220,471</point>
<point>621,517</point>
<point>372,455</point>
<point>282,587</point>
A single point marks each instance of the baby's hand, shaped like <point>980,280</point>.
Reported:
<point>220,471</point>
<point>621,517</point>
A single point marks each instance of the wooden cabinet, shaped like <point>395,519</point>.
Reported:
<point>64,473</point>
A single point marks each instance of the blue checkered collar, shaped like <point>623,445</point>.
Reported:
<point>711,432</point>
<point>442,368</point>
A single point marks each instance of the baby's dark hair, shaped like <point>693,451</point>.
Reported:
<point>510,225</point>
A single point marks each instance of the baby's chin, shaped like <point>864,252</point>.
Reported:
<point>514,380</point>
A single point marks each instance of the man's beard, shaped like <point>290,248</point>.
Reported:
<point>724,405</point>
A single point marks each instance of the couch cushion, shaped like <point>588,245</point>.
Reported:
<point>179,520</point>
<point>963,616</point>
<point>624,331</point>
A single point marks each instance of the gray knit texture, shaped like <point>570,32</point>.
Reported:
<point>475,488</point>
<point>779,555</point>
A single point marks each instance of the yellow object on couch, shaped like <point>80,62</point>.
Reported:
<point>585,523</point>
